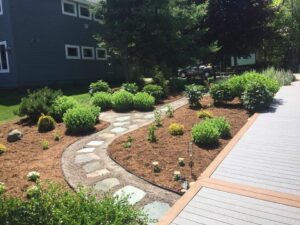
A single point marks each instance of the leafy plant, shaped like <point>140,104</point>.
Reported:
<point>194,93</point>
<point>177,84</point>
<point>33,176</point>
<point>181,162</point>
<point>3,149</point>
<point>45,123</point>
<point>176,175</point>
<point>176,129</point>
<point>222,125</point>
<point>37,103</point>
<point>143,101</point>
<point>221,92</point>
<point>57,136</point>
<point>204,114</point>
<point>151,133</point>
<point>130,87</point>
<point>81,119</point>
<point>61,105</point>
<point>128,143</point>
<point>156,167</point>
<point>157,118</point>
<point>45,144</point>
<point>102,100</point>
<point>154,90</point>
<point>205,133</point>
<point>33,192</point>
<point>99,86</point>
<point>122,101</point>
<point>170,111</point>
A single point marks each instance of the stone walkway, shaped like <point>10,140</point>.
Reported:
<point>87,163</point>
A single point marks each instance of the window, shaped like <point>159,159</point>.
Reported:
<point>84,12</point>
<point>101,54</point>
<point>4,64</point>
<point>87,53</point>
<point>1,8</point>
<point>68,8</point>
<point>72,52</point>
<point>98,17</point>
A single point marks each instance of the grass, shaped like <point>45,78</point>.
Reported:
<point>10,100</point>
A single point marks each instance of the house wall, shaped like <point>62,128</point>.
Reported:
<point>41,32</point>
<point>6,30</point>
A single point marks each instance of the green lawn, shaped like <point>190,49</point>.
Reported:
<point>9,100</point>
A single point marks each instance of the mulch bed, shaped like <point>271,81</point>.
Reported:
<point>27,155</point>
<point>138,159</point>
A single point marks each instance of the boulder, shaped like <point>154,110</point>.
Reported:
<point>14,135</point>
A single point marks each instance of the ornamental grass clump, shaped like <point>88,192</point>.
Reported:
<point>176,129</point>
<point>46,123</point>
<point>143,101</point>
<point>122,101</point>
<point>102,100</point>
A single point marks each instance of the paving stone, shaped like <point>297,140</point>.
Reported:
<point>98,173</point>
<point>86,158</point>
<point>156,210</point>
<point>86,150</point>
<point>95,143</point>
<point>119,124</point>
<point>107,135</point>
<point>139,121</point>
<point>164,109</point>
<point>149,116</point>
<point>137,115</point>
<point>123,118</point>
<point>134,126</point>
<point>107,184</point>
<point>118,130</point>
<point>90,167</point>
<point>135,194</point>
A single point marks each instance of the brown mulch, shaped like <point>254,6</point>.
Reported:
<point>27,155</point>
<point>138,159</point>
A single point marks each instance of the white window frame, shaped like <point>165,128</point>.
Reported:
<point>98,58</point>
<point>89,48</point>
<point>67,13</point>
<point>72,46</point>
<point>7,59</point>
<point>84,17</point>
<point>1,8</point>
<point>97,20</point>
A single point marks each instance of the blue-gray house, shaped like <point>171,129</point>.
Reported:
<point>46,42</point>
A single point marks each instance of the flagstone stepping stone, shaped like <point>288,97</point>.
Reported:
<point>134,126</point>
<point>135,194</point>
<point>164,109</point>
<point>139,121</point>
<point>107,135</point>
<point>156,210</point>
<point>86,158</point>
<point>149,116</point>
<point>119,124</point>
<point>95,143</point>
<point>107,184</point>
<point>137,115</point>
<point>123,118</point>
<point>98,173</point>
<point>90,167</point>
<point>86,150</point>
<point>118,130</point>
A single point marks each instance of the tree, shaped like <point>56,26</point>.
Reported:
<point>147,33</point>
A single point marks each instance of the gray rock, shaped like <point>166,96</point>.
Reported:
<point>14,135</point>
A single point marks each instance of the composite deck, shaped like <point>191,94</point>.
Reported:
<point>258,180</point>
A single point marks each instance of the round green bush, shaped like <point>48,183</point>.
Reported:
<point>130,87</point>
<point>102,100</point>
<point>99,86</point>
<point>45,123</point>
<point>222,125</point>
<point>122,101</point>
<point>61,105</point>
<point>80,119</point>
<point>257,96</point>
<point>143,101</point>
<point>205,133</point>
<point>221,92</point>
<point>154,90</point>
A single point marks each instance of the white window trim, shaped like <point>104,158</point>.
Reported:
<point>7,59</point>
<point>1,7</point>
<point>97,20</point>
<point>72,46</point>
<point>84,17</point>
<point>67,13</point>
<point>98,58</point>
<point>90,48</point>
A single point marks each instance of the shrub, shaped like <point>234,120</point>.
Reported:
<point>45,123</point>
<point>205,133</point>
<point>143,101</point>
<point>56,136</point>
<point>56,205</point>
<point>151,133</point>
<point>33,192</point>
<point>170,111</point>
<point>177,84</point>
<point>33,176</point>
<point>160,80</point>
<point>61,105</point>
<point>102,100</point>
<point>80,119</point>
<point>3,149</point>
<point>236,85</point>
<point>181,162</point>
<point>130,87</point>
<point>96,112</point>
<point>281,76</point>
<point>204,114</point>
<point>221,92</point>
<point>99,86</point>
<point>257,96</point>
<point>194,93</point>
<point>122,101</point>
<point>176,129</point>
<point>154,90</point>
<point>37,103</point>
<point>45,144</point>
<point>157,118</point>
<point>222,125</point>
